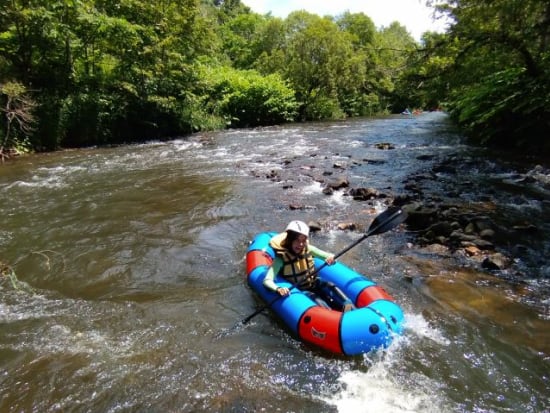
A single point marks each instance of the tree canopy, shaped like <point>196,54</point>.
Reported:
<point>92,72</point>
<point>492,70</point>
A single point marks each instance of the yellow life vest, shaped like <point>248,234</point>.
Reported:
<point>298,269</point>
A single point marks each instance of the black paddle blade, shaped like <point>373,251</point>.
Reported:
<point>387,220</point>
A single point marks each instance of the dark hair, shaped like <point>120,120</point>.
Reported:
<point>291,236</point>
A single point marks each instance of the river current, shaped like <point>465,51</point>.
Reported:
<point>123,282</point>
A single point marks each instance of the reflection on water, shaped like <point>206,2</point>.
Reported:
<point>130,262</point>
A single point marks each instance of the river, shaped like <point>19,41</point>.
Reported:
<point>124,279</point>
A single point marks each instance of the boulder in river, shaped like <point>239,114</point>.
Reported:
<point>337,183</point>
<point>364,194</point>
<point>496,261</point>
<point>385,146</point>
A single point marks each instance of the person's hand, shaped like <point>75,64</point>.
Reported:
<point>330,260</point>
<point>283,291</point>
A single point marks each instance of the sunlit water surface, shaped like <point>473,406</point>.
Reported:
<point>128,286</point>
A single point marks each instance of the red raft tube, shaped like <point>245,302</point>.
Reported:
<point>372,324</point>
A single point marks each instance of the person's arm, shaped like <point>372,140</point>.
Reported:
<point>319,253</point>
<point>269,282</point>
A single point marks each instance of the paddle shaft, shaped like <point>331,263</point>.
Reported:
<point>371,231</point>
<point>259,310</point>
<point>394,219</point>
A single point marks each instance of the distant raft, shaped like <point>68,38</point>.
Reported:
<point>372,324</point>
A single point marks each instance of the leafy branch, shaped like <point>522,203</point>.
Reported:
<point>18,111</point>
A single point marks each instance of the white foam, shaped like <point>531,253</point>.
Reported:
<point>313,188</point>
<point>377,390</point>
<point>182,145</point>
<point>383,387</point>
<point>39,182</point>
<point>417,325</point>
<point>337,199</point>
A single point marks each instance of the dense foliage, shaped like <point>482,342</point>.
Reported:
<point>493,69</point>
<point>91,72</point>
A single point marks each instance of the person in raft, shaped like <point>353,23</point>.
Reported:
<point>294,262</point>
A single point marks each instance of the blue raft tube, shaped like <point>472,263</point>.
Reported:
<point>372,324</point>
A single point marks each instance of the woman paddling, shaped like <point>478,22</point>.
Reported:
<point>294,263</point>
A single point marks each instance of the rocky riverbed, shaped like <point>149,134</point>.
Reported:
<point>449,215</point>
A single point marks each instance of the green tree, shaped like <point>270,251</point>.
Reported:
<point>18,120</point>
<point>316,62</point>
<point>360,26</point>
<point>246,98</point>
<point>361,96</point>
<point>394,45</point>
<point>499,84</point>
<point>36,42</point>
<point>242,36</point>
<point>270,47</point>
<point>105,71</point>
<point>429,68</point>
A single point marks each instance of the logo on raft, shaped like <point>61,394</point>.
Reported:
<point>318,334</point>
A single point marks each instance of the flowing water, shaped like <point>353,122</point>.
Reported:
<point>123,284</point>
